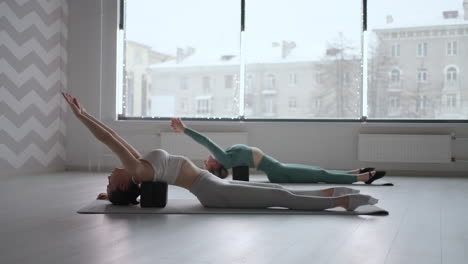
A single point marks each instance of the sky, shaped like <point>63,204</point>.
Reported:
<point>213,26</point>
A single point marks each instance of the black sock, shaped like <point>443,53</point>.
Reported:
<point>377,175</point>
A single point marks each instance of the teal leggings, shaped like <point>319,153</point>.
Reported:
<point>278,172</point>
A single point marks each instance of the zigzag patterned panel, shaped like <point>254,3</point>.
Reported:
<point>33,61</point>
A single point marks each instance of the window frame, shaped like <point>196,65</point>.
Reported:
<point>292,79</point>
<point>122,117</point>
<point>204,105</point>
<point>228,82</point>
<point>395,79</point>
<point>183,83</point>
<point>451,101</point>
<point>422,48</point>
<point>422,76</point>
<point>452,73</point>
<point>270,82</point>
<point>206,83</point>
<point>292,103</point>
<point>396,50</point>
<point>452,48</point>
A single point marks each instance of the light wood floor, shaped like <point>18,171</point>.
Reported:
<point>427,224</point>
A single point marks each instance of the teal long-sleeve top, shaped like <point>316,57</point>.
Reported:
<point>235,155</point>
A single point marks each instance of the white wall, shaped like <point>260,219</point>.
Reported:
<point>329,145</point>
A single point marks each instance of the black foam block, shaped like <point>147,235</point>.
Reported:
<point>240,173</point>
<point>153,194</point>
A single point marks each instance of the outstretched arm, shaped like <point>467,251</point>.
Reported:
<point>220,155</point>
<point>129,147</point>
<point>128,159</point>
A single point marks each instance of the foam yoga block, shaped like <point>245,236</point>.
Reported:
<point>153,194</point>
<point>240,173</point>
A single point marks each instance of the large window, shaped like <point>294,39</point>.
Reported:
<point>423,51</point>
<point>295,59</point>
<point>308,51</point>
<point>189,51</point>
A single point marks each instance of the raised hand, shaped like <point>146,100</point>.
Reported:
<point>177,125</point>
<point>77,109</point>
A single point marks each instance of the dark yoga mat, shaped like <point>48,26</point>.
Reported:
<point>193,206</point>
<point>375,183</point>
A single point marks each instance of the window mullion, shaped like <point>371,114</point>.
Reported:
<point>364,53</point>
<point>242,64</point>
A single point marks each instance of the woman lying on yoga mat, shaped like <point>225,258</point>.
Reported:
<point>277,172</point>
<point>211,191</point>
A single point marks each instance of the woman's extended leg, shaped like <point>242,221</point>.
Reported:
<point>336,191</point>
<point>297,173</point>
<point>214,192</point>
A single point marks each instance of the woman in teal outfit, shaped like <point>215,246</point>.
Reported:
<point>277,172</point>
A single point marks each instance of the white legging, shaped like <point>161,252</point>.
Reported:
<point>214,192</point>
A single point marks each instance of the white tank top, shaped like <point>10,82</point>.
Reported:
<point>166,166</point>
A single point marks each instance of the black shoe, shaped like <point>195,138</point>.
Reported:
<point>377,175</point>
<point>363,170</point>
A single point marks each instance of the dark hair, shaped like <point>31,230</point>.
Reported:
<point>119,197</point>
<point>221,172</point>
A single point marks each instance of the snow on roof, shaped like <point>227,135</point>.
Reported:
<point>259,55</point>
<point>420,21</point>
